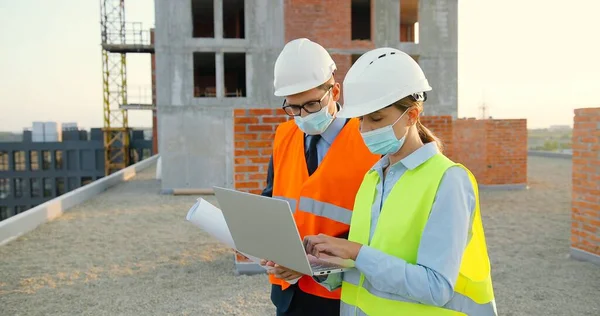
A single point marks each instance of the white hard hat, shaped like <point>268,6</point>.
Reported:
<point>301,66</point>
<point>379,78</point>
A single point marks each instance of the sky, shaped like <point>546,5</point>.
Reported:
<point>533,59</point>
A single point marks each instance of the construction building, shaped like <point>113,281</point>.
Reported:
<point>217,56</point>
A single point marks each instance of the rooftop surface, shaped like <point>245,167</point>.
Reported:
<point>129,251</point>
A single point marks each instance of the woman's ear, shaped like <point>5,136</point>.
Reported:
<point>413,115</point>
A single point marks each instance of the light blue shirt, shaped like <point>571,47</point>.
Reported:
<point>327,138</point>
<point>431,280</point>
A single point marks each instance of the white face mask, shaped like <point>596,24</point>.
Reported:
<point>383,141</point>
<point>315,123</point>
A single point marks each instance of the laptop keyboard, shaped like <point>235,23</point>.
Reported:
<point>321,267</point>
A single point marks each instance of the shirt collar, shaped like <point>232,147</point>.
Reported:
<point>412,161</point>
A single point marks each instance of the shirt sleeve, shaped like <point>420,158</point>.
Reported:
<point>268,190</point>
<point>431,280</point>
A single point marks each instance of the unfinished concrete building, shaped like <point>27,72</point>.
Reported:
<point>216,56</point>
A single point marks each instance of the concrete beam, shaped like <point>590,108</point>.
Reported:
<point>581,255</point>
<point>549,154</point>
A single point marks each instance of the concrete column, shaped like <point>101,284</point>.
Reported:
<point>386,23</point>
<point>438,50</point>
<point>11,160</point>
<point>220,74</point>
<point>218,8</point>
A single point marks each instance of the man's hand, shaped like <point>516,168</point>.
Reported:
<point>280,272</point>
<point>323,246</point>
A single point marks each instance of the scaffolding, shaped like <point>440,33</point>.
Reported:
<point>118,39</point>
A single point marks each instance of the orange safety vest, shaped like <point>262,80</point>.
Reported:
<point>323,202</point>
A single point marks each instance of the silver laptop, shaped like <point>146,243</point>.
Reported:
<point>265,228</point>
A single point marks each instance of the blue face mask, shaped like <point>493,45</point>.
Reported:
<point>315,123</point>
<point>383,141</point>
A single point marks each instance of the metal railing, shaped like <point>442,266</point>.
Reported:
<point>133,34</point>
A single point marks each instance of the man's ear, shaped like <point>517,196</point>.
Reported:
<point>336,91</point>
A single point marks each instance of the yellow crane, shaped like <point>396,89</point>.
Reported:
<point>118,39</point>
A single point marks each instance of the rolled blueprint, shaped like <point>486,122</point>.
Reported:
<point>210,219</point>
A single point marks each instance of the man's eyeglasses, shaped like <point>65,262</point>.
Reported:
<point>308,107</point>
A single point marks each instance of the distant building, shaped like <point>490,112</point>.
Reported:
<point>33,172</point>
<point>46,132</point>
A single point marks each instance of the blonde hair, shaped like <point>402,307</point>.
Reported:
<point>425,134</point>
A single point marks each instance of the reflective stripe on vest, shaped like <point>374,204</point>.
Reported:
<point>331,211</point>
<point>318,208</point>
<point>459,303</point>
<point>349,310</point>
<point>291,201</point>
<point>399,233</point>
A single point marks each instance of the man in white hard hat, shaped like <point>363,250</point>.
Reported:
<point>317,165</point>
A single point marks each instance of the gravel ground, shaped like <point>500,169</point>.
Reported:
<point>130,252</point>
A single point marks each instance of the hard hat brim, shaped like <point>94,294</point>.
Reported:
<point>298,88</point>
<point>358,110</point>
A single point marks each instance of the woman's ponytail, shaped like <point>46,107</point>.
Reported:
<point>428,136</point>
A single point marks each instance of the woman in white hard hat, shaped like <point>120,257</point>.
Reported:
<point>416,233</point>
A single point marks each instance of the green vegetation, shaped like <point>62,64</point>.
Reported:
<point>550,139</point>
<point>10,137</point>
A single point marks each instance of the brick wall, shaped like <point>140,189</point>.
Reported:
<point>585,209</point>
<point>494,150</point>
<point>506,152</point>
<point>254,131</point>
<point>442,127</point>
<point>469,136</point>
<point>327,22</point>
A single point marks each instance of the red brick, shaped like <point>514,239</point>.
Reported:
<point>260,128</point>
<point>240,160</point>
<point>257,176</point>
<point>259,144</point>
<point>266,152</point>
<point>265,135</point>
<point>246,169</point>
<point>246,120</point>
<point>261,112</point>
<point>259,160</point>
<point>274,119</point>
<point>247,185</point>
<point>246,136</point>
<point>239,153</point>
<point>585,209</point>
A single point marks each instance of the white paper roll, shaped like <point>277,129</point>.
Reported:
<point>210,219</point>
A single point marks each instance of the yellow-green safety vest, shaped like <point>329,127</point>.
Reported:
<point>398,233</point>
